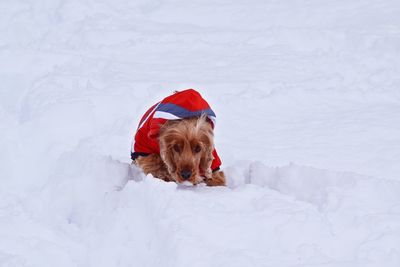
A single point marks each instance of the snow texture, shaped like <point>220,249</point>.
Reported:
<point>307,97</point>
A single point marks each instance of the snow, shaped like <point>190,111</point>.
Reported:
<point>308,128</point>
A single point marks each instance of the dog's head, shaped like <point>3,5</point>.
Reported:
<point>186,148</point>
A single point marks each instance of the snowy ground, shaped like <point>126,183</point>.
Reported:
<point>307,95</point>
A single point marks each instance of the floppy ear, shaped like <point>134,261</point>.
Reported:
<point>166,156</point>
<point>206,161</point>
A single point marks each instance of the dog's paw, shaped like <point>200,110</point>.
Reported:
<point>217,179</point>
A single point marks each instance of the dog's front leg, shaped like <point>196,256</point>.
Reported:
<point>154,165</point>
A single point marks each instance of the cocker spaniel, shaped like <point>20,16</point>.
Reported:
<point>175,141</point>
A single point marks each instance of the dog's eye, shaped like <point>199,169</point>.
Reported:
<point>177,148</point>
<point>197,149</point>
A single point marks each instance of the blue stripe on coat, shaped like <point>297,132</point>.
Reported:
<point>183,112</point>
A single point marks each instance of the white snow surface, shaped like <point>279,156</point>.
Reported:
<point>307,97</point>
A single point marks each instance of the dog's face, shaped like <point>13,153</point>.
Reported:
<point>186,148</point>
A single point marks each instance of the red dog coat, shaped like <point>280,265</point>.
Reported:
<point>181,105</point>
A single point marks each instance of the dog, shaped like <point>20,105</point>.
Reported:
<point>175,141</point>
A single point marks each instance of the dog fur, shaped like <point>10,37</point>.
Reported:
<point>185,146</point>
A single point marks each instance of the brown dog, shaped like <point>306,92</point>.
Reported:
<point>186,145</point>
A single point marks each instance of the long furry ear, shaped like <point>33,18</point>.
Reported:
<point>206,161</point>
<point>205,132</point>
<point>166,156</point>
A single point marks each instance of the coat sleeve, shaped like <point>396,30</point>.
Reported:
<point>216,164</point>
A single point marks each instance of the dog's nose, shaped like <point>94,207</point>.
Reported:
<point>186,174</point>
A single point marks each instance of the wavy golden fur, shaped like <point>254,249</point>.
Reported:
<point>185,153</point>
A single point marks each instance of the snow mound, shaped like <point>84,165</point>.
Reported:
<point>313,185</point>
<point>109,213</point>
